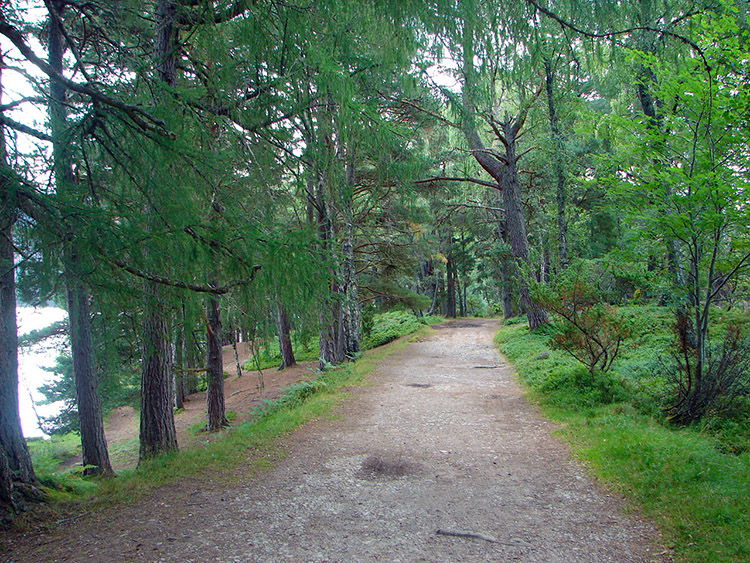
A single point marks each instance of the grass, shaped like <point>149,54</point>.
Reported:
<point>687,480</point>
<point>243,450</point>
<point>379,329</point>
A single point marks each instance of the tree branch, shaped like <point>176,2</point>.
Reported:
<point>453,179</point>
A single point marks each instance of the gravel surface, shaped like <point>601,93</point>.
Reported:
<point>440,460</point>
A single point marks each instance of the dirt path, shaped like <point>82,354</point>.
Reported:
<point>439,460</point>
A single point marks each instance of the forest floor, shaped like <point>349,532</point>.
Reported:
<point>439,458</point>
<point>243,393</point>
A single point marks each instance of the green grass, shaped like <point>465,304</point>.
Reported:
<point>388,326</point>
<point>379,329</point>
<point>686,480</point>
<point>242,450</point>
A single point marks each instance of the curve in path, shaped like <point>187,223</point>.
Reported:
<point>440,460</point>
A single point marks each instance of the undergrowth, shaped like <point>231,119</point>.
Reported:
<point>691,481</point>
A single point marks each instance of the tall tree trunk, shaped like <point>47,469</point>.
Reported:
<point>450,287</point>
<point>558,147</point>
<point>283,328</point>
<point>504,171</point>
<point>331,336</point>
<point>515,223</point>
<point>157,431</point>
<point>215,407</point>
<point>94,452</point>
<point>15,461</point>
<point>11,436</point>
<point>352,315</point>
<point>178,379</point>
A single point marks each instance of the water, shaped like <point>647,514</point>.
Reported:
<point>31,360</point>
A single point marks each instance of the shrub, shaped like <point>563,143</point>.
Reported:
<point>389,326</point>
<point>591,331</point>
<point>718,385</point>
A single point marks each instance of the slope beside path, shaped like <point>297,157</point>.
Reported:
<point>440,459</point>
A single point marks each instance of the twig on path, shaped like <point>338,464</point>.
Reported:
<point>472,535</point>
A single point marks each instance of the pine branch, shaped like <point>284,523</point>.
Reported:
<point>21,128</point>
<point>452,179</point>
<point>137,115</point>
<point>216,290</point>
<point>609,34</point>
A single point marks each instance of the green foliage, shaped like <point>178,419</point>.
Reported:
<point>305,349</point>
<point>119,387</point>
<point>47,454</point>
<point>589,329</point>
<point>391,325</point>
<point>692,481</point>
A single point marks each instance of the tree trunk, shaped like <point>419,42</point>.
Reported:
<point>11,436</point>
<point>179,368</point>
<point>285,339</point>
<point>7,506</point>
<point>93,442</point>
<point>236,354</point>
<point>157,430</point>
<point>450,288</point>
<point>15,461</point>
<point>94,452</point>
<point>558,147</point>
<point>504,171</point>
<point>215,407</point>
<point>331,336</point>
<point>506,291</point>
<point>352,315</point>
<point>516,225</point>
<point>464,309</point>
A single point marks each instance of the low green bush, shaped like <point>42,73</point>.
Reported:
<point>391,325</point>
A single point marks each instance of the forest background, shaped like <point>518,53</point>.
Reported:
<point>208,172</point>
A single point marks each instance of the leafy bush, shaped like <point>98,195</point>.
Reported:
<point>389,326</point>
<point>591,331</point>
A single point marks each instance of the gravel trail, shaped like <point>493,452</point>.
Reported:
<point>439,460</point>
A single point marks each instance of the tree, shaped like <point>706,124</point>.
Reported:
<point>16,470</point>
<point>93,442</point>
<point>503,166</point>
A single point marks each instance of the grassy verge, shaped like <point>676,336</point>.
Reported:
<point>686,480</point>
<point>247,448</point>
<point>378,329</point>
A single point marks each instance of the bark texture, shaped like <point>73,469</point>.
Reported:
<point>95,455</point>
<point>504,171</point>
<point>15,461</point>
<point>352,315</point>
<point>283,328</point>
<point>157,430</point>
<point>215,408</point>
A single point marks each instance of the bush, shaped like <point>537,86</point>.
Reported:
<point>386,327</point>
<point>718,386</point>
<point>591,331</point>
